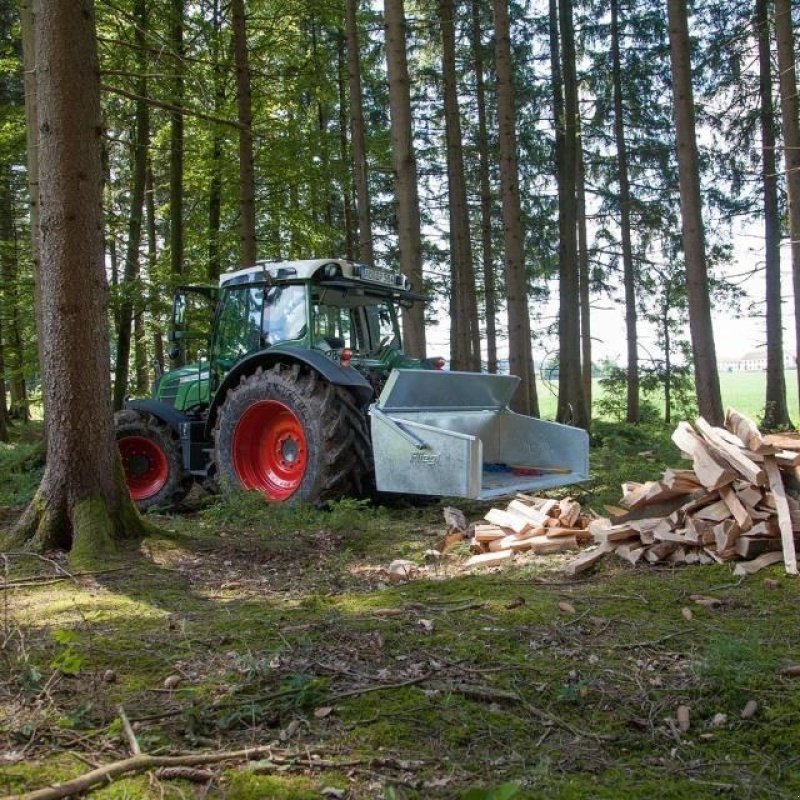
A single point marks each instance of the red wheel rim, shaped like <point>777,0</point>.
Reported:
<point>146,466</point>
<point>269,450</point>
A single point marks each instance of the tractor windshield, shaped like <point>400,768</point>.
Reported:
<point>254,317</point>
<point>363,323</point>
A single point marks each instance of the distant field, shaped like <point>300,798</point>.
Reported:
<point>743,391</point>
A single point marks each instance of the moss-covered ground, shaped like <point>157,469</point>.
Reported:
<point>245,625</point>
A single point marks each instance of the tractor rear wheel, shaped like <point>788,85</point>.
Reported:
<point>291,435</point>
<point>151,459</point>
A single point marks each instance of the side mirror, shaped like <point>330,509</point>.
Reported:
<point>174,352</point>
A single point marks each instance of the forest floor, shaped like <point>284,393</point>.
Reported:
<point>246,625</point>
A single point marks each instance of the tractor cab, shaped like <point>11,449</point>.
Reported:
<point>350,313</point>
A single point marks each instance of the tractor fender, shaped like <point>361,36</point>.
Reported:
<point>334,373</point>
<point>162,411</point>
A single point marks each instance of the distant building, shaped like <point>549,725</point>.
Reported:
<point>754,361</point>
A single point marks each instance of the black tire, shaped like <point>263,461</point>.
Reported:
<point>170,485</point>
<point>336,448</point>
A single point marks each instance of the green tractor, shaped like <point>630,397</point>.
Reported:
<point>301,391</point>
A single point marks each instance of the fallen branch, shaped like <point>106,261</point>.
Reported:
<point>127,728</point>
<point>138,763</point>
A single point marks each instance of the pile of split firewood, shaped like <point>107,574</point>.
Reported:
<point>737,503</point>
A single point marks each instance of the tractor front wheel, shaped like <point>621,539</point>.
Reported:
<point>151,459</point>
<point>291,435</point>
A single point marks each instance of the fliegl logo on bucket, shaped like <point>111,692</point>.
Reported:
<point>426,459</point>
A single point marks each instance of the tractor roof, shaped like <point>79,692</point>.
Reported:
<point>315,268</point>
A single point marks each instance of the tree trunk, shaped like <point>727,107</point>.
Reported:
<point>5,231</point>
<point>405,172</point>
<point>776,412</point>
<point>790,124</point>
<point>215,184</point>
<point>487,243</point>
<point>350,233</point>
<point>365,250</point>
<point>520,359</point>
<point>667,366</point>
<point>706,377</point>
<point>465,342</point>
<point>571,401</point>
<point>141,137</point>
<point>28,11</point>
<point>10,302</point>
<point>140,352</point>
<point>247,176</point>
<point>152,260</point>
<point>629,277</point>
<point>3,409</point>
<point>82,501</point>
<point>176,151</point>
<point>584,289</point>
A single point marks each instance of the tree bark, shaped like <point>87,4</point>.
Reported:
<point>629,276</point>
<point>3,409</point>
<point>487,243</point>
<point>776,412</point>
<point>584,288</point>
<point>82,501</point>
<point>176,242</point>
<point>350,232</point>
<point>520,359</point>
<point>10,302</point>
<point>790,124</point>
<point>28,11</point>
<point>247,176</point>
<point>360,171</point>
<point>571,401</point>
<point>141,137</point>
<point>6,229</point>
<point>706,376</point>
<point>152,260</point>
<point>465,343</point>
<point>405,172</point>
<point>215,184</point>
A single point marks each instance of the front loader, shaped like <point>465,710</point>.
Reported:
<point>301,391</point>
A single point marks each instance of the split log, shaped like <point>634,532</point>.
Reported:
<point>764,560</point>
<point>585,561</point>
<point>784,515</point>
<point>747,431</point>
<point>711,471</point>
<point>737,510</point>
<point>489,559</point>
<point>508,519</point>
<point>536,516</point>
<point>730,453</point>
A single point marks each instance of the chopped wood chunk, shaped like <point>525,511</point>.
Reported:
<point>541,545</point>
<point>747,431</point>
<point>783,441</point>
<point>730,453</point>
<point>764,560</point>
<point>490,559</point>
<point>527,512</point>
<point>508,519</point>
<point>711,471</point>
<point>784,514</point>
<point>716,512</point>
<point>569,511</point>
<point>737,510</point>
<point>585,561</point>
<point>488,533</point>
<point>725,534</point>
<point>630,552</point>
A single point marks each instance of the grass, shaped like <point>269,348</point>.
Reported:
<point>280,625</point>
<point>743,391</point>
